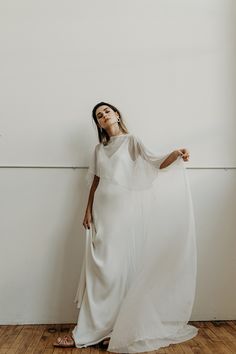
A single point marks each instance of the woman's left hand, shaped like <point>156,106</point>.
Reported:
<point>184,153</point>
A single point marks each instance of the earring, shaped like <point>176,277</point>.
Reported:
<point>101,129</point>
<point>118,120</point>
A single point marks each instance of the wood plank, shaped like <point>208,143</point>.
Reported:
<point>86,350</point>
<point>8,330</point>
<point>37,333</point>
<point>214,337</point>
<point>230,345</point>
<point>210,333</point>
<point>3,329</point>
<point>17,343</point>
<point>8,335</point>
<point>171,349</point>
<point>232,324</point>
<point>48,351</point>
<point>186,348</point>
<point>202,340</point>
<point>221,332</point>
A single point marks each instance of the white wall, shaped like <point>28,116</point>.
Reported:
<point>169,66</point>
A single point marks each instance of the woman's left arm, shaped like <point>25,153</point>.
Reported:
<point>184,153</point>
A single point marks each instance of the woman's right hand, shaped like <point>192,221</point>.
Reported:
<point>87,219</point>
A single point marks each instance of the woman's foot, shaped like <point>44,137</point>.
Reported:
<point>66,341</point>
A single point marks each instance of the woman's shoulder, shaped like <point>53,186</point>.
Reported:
<point>134,137</point>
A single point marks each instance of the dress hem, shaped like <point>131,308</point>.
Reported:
<point>156,344</point>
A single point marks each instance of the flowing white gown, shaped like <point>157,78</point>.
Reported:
<point>137,283</point>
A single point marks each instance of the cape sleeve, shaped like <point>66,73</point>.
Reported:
<point>138,148</point>
<point>92,168</point>
<point>134,167</point>
<point>143,167</point>
<point>158,304</point>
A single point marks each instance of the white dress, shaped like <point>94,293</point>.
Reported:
<point>137,283</point>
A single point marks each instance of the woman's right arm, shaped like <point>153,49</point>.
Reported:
<point>88,213</point>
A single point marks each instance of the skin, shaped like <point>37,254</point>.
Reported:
<point>108,120</point>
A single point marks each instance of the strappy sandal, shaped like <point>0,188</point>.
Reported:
<point>66,341</point>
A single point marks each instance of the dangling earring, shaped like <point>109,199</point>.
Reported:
<point>101,129</point>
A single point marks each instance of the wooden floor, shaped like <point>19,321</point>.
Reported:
<point>218,337</point>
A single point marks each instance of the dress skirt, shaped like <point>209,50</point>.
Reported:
<point>137,282</point>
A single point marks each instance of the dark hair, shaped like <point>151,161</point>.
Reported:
<point>102,134</point>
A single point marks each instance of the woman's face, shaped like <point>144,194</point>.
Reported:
<point>106,117</point>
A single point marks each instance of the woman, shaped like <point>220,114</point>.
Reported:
<point>137,283</point>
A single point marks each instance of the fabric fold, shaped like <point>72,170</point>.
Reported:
<point>138,282</point>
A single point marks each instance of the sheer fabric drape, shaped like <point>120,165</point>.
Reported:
<point>143,232</point>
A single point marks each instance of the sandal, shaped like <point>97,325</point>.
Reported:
<point>66,341</point>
